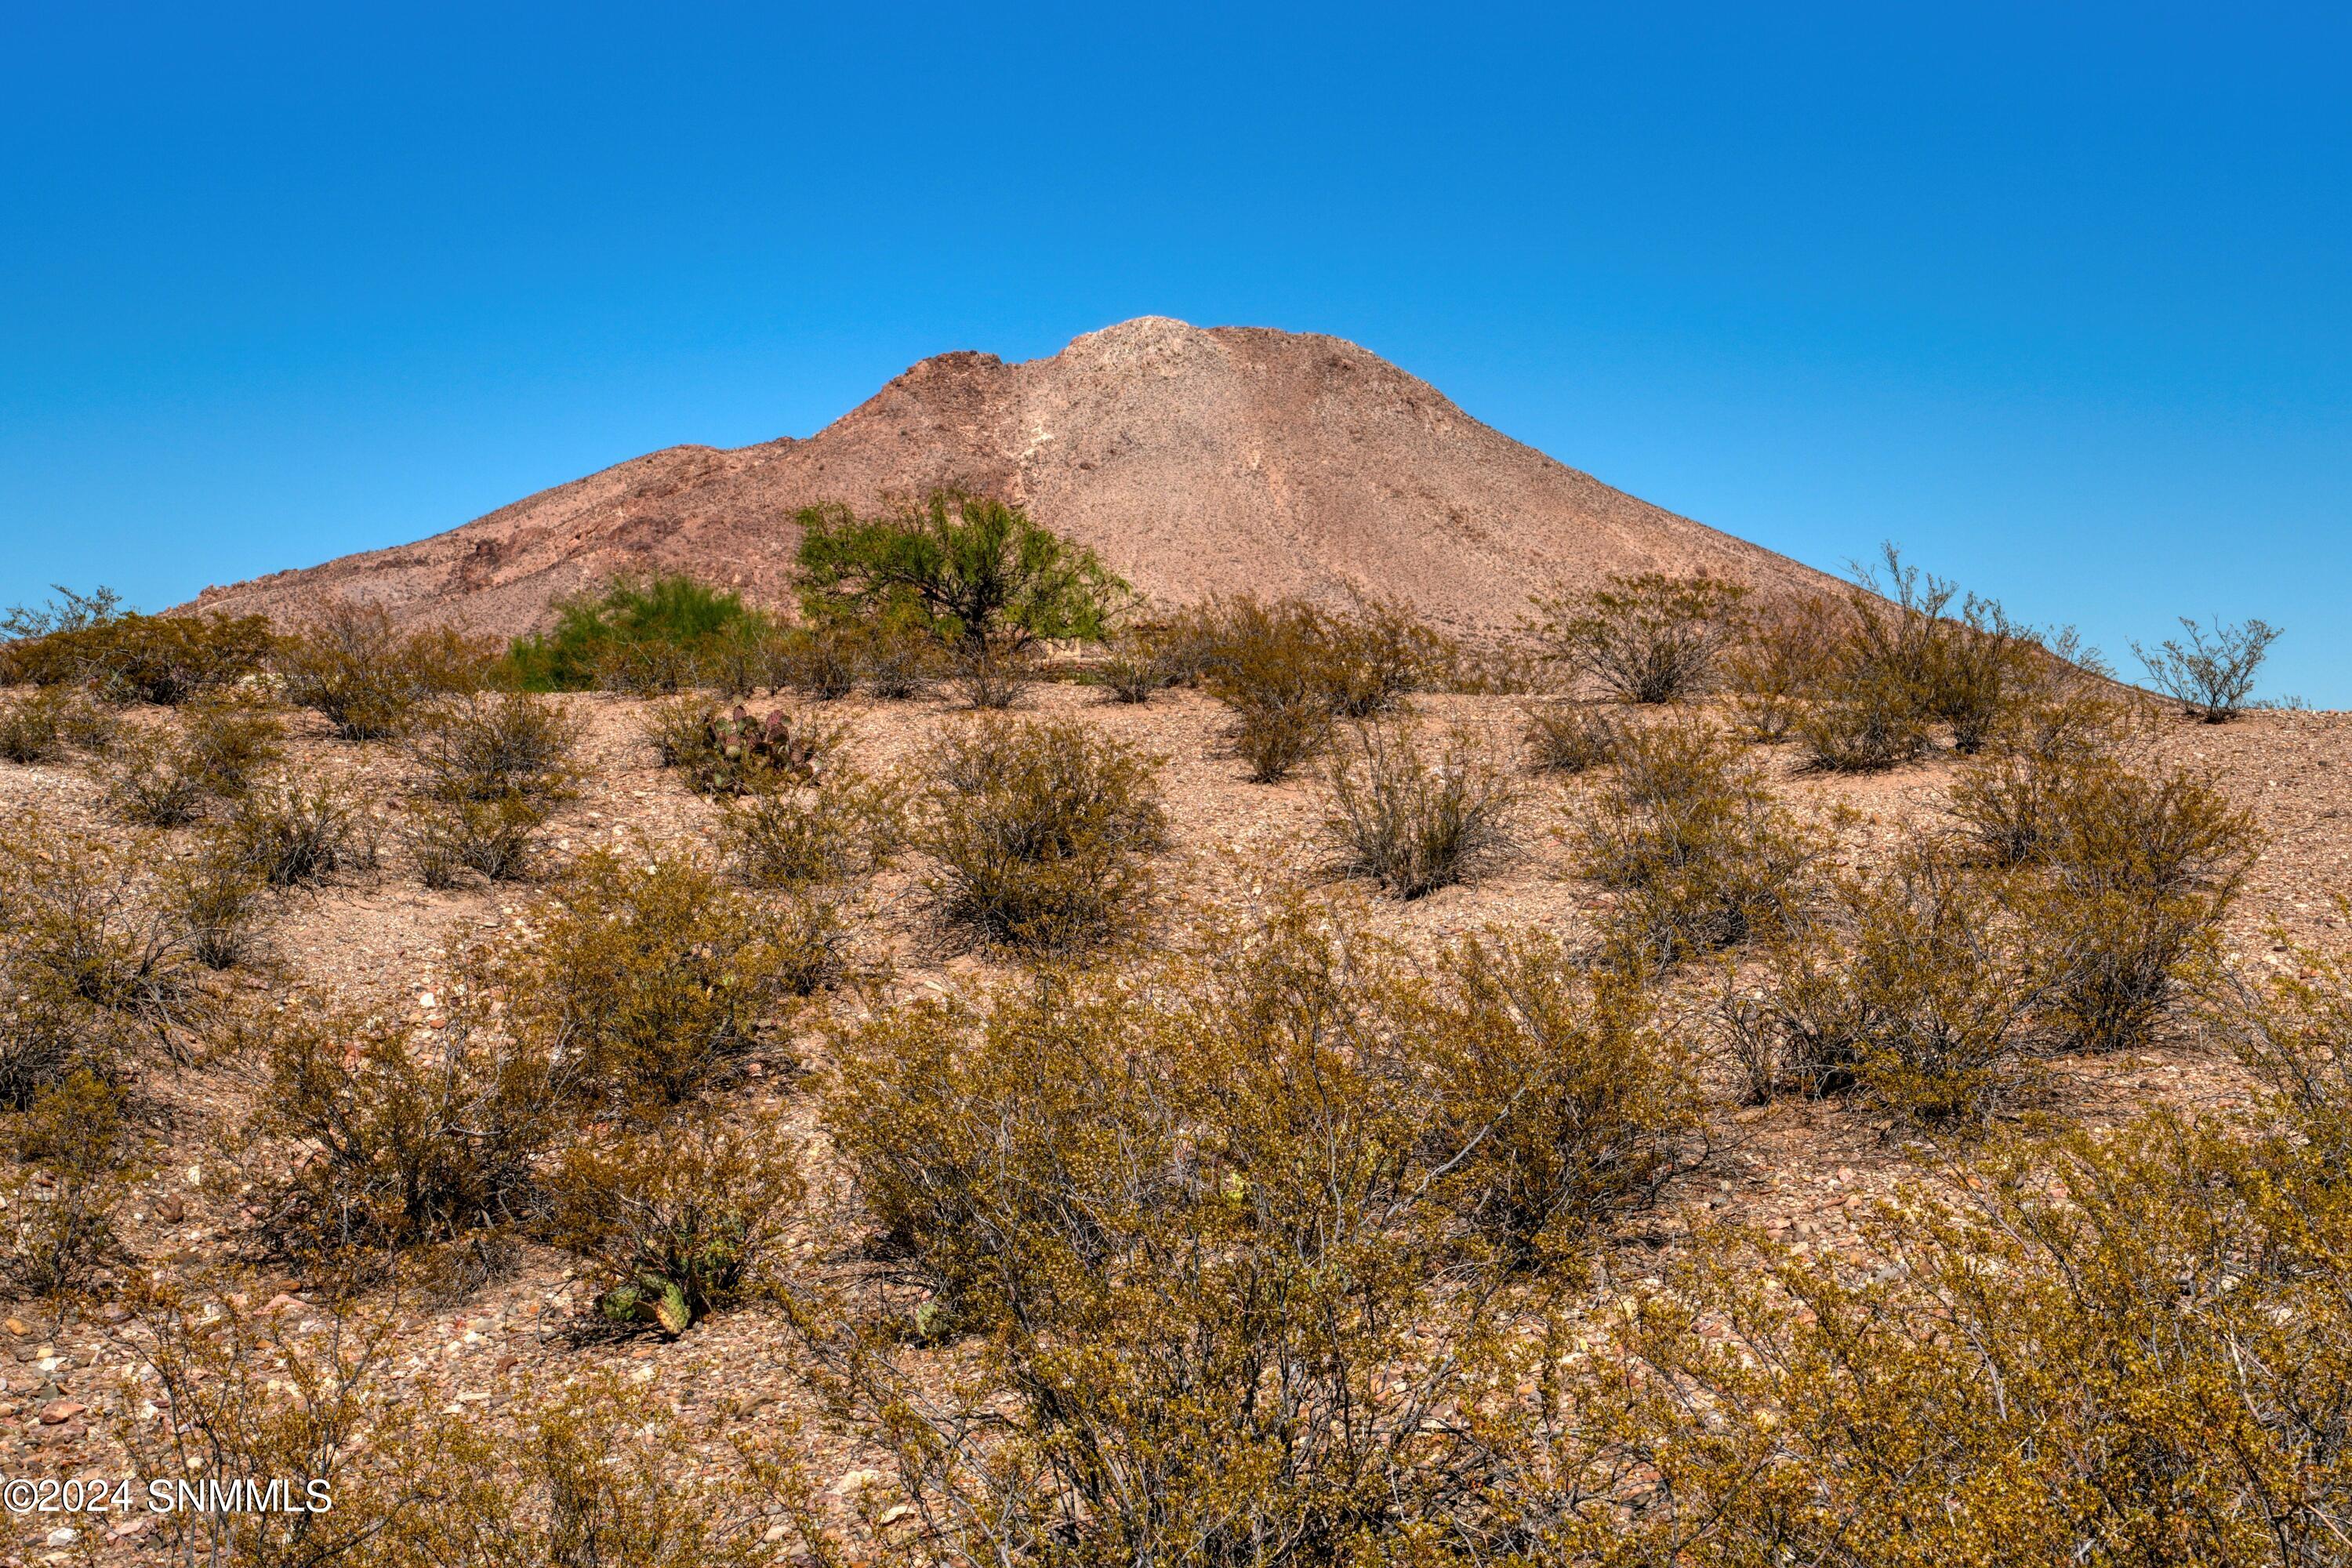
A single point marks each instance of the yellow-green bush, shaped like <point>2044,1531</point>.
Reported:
<point>296,836</point>
<point>56,1209</point>
<point>1039,835</point>
<point>1289,669</point>
<point>679,1221</point>
<point>353,665</point>
<point>391,1143</point>
<point>592,1469</point>
<point>216,895</point>
<point>92,965</point>
<point>491,770</point>
<point>1919,986</point>
<point>1688,833</point>
<point>843,823</point>
<point>2121,1349</point>
<point>1780,665</point>
<point>132,658</point>
<point>1414,818</point>
<point>1646,637</point>
<point>649,974</point>
<point>1243,1239</point>
<point>150,781</point>
<point>1566,737</point>
<point>2131,880</point>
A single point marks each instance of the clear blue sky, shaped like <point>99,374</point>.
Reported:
<point>2059,296</point>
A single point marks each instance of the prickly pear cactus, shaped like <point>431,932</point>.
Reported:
<point>742,752</point>
<point>649,1299</point>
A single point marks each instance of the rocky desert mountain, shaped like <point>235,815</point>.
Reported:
<point>1194,460</point>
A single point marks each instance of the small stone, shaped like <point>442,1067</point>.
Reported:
<point>61,1410</point>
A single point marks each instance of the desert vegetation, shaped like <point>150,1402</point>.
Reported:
<point>1720,1081</point>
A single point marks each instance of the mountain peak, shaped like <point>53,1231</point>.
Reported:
<point>1194,460</point>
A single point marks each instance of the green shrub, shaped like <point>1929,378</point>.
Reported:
<point>496,839</point>
<point>229,738</point>
<point>1415,822</point>
<point>93,967</point>
<point>2117,1349</point>
<point>1038,835</point>
<point>1268,663</point>
<point>983,579</point>
<point>1136,667</point>
<point>1688,833</point>
<point>1783,662</point>
<point>487,746</point>
<point>2132,880</point>
<point>491,770</point>
<point>131,658</point>
<point>29,730</point>
<point>150,780</point>
<point>396,1144</point>
<point>636,634</point>
<point>216,897</point>
<point>1918,988</point>
<point>1375,653</point>
<point>824,662</point>
<point>1643,637</point>
<point>681,1221</point>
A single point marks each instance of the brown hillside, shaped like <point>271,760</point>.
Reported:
<point>1226,459</point>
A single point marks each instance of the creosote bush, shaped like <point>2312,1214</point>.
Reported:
<point>74,1143</point>
<point>353,666</point>
<point>150,781</point>
<point>1243,1243</point>
<point>650,975</point>
<point>1567,737</point>
<point>2130,885</point>
<point>167,777</point>
<point>1781,663</point>
<point>1687,832</point>
<point>296,836</point>
<point>29,730</point>
<point>229,738</point>
<point>93,967</point>
<point>2212,673</point>
<point>1290,670</point>
<point>1039,835</point>
<point>2125,1348</point>
<point>124,656</point>
<point>679,1222</point>
<point>216,895</point>
<point>844,824</point>
<point>416,1144</point>
<point>1917,986</point>
<point>491,770</point>
<point>1414,818</point>
<point>594,1470</point>
<point>1643,637</point>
